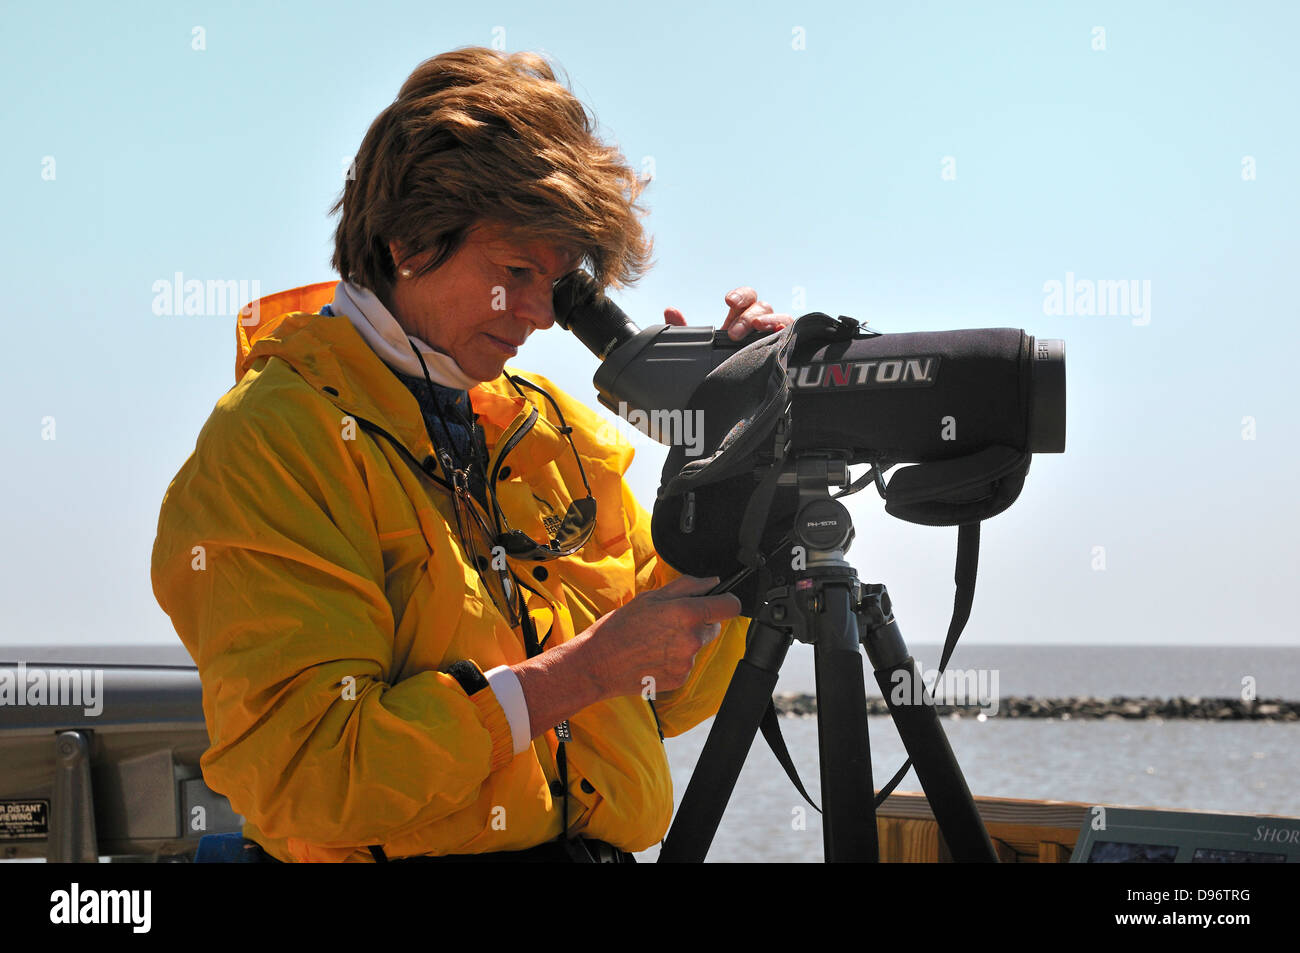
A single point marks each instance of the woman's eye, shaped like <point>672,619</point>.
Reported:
<point>517,272</point>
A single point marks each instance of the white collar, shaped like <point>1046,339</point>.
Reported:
<point>387,339</point>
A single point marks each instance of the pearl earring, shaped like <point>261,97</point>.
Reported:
<point>406,272</point>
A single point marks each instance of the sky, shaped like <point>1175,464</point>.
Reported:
<point>921,166</point>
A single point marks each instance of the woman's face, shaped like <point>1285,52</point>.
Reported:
<point>481,304</point>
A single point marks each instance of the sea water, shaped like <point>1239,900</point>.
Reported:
<point>1246,767</point>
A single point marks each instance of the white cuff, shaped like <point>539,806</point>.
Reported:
<point>510,695</point>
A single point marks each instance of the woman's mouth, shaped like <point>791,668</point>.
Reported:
<point>505,347</point>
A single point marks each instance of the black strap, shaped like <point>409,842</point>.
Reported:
<point>968,560</point>
<point>658,727</point>
<point>760,504</point>
<point>875,472</point>
<point>771,728</point>
<point>968,557</point>
<point>562,765</point>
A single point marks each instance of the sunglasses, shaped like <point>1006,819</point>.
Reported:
<point>487,545</point>
<point>579,520</point>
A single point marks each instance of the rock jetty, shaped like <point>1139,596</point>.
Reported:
<point>797,705</point>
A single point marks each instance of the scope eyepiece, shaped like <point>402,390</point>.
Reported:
<point>581,307</point>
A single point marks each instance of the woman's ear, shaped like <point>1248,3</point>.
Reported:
<point>398,251</point>
<point>403,263</point>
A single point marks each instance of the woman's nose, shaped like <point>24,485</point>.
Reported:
<point>537,307</point>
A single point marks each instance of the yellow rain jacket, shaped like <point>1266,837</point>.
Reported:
<point>317,579</point>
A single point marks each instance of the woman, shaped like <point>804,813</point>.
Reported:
<point>414,638</point>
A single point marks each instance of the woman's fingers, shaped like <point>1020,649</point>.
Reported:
<point>745,314</point>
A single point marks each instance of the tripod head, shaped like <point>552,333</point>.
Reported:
<point>822,523</point>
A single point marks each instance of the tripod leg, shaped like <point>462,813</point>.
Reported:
<point>917,721</point>
<point>848,831</point>
<point>728,744</point>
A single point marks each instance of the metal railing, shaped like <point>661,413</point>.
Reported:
<point>99,755</point>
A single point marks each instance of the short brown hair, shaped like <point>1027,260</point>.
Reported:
<point>478,136</point>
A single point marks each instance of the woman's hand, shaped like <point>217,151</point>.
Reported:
<point>648,644</point>
<point>746,313</point>
<point>656,636</point>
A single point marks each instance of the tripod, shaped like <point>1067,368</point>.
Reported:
<point>828,607</point>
